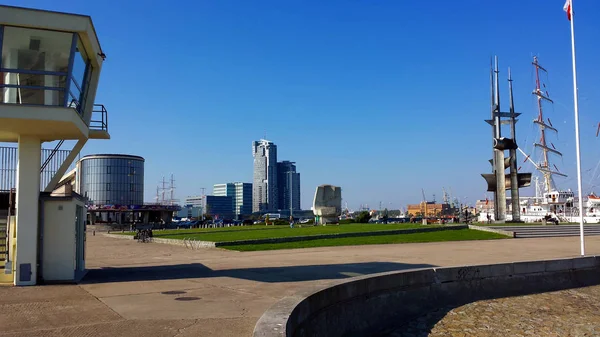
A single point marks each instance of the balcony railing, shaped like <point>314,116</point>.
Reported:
<point>99,120</point>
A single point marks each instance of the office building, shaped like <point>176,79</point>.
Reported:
<point>288,183</point>
<point>264,187</point>
<point>241,194</point>
<point>243,198</point>
<point>219,207</point>
<point>224,190</point>
<point>194,201</point>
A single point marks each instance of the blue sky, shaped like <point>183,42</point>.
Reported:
<point>380,97</point>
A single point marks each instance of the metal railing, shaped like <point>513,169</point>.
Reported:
<point>100,124</point>
<point>52,159</point>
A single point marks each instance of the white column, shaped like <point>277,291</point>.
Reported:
<point>28,192</point>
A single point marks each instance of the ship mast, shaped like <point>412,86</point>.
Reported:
<point>544,165</point>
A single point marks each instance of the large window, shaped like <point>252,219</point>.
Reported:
<point>78,77</point>
<point>35,67</point>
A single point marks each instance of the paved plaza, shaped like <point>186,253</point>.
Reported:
<point>135,289</point>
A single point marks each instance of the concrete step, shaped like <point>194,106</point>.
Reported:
<point>550,230</point>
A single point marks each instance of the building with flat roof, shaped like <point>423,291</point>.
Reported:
<point>224,190</point>
<point>113,188</point>
<point>288,184</point>
<point>430,209</point>
<point>241,194</point>
<point>243,198</point>
<point>219,207</point>
<point>109,179</point>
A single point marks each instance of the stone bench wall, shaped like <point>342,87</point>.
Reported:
<point>366,305</point>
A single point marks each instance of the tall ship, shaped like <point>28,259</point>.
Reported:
<point>549,201</point>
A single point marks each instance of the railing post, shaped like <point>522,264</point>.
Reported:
<point>70,71</point>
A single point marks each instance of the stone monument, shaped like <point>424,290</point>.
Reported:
<point>327,205</point>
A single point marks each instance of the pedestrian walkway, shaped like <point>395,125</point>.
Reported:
<point>148,289</point>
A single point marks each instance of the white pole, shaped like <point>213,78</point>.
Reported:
<point>577,150</point>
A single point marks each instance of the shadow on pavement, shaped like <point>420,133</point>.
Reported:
<point>266,274</point>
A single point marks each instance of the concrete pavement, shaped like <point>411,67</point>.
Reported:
<point>133,288</point>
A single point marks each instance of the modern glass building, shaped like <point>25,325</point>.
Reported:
<point>111,179</point>
<point>241,194</point>
<point>288,184</point>
<point>264,186</point>
<point>243,198</point>
<point>224,190</point>
<point>219,207</point>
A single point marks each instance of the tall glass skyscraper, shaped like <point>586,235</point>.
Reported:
<point>288,182</point>
<point>264,187</point>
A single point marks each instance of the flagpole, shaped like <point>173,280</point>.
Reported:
<point>577,149</point>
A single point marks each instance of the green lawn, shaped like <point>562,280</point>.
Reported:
<point>264,232</point>
<point>450,235</point>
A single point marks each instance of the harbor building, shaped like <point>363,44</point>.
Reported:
<point>51,65</point>
<point>113,188</point>
<point>430,209</point>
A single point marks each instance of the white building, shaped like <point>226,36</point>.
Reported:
<point>51,67</point>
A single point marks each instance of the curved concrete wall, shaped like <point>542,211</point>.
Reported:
<point>370,304</point>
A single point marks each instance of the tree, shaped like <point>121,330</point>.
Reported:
<point>385,215</point>
<point>363,217</point>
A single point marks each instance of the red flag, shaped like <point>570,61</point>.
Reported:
<point>568,9</point>
<point>486,201</point>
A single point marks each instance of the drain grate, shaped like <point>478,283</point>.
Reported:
<point>187,298</point>
<point>173,292</point>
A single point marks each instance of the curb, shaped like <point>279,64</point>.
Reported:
<point>510,234</point>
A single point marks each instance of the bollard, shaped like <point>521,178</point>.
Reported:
<point>94,233</point>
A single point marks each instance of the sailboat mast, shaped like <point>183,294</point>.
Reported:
<point>542,95</point>
<point>540,119</point>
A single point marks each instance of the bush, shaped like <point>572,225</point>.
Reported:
<point>363,217</point>
<point>346,221</point>
<point>280,222</point>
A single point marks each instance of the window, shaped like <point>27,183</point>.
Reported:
<point>35,64</point>
<point>108,186</point>
<point>131,187</point>
<point>108,170</point>
<point>131,170</point>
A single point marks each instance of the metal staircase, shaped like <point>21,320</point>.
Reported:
<point>6,210</point>
<point>3,239</point>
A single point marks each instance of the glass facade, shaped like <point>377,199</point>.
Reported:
<point>264,185</point>
<point>43,67</point>
<point>219,207</point>
<point>112,179</point>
